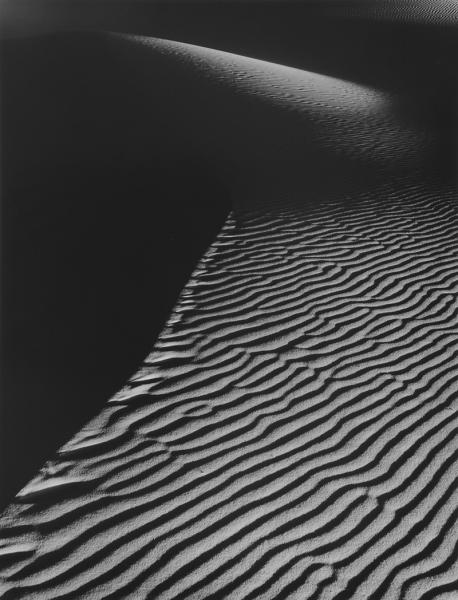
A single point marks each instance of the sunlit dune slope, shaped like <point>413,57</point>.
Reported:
<point>292,432</point>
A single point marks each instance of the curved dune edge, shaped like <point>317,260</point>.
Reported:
<point>293,432</point>
<point>305,113</point>
<point>157,98</point>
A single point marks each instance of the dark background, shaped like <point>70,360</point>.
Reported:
<point>95,250</point>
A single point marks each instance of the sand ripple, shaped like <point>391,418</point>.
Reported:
<point>293,432</point>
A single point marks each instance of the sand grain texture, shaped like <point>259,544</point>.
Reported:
<point>293,432</point>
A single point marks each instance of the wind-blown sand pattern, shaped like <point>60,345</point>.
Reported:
<point>420,11</point>
<point>293,432</point>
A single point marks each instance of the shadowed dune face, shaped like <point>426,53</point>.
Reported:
<point>93,262</point>
<point>96,245</point>
<point>291,433</point>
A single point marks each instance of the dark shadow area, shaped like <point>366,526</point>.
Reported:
<point>95,248</point>
<point>93,262</point>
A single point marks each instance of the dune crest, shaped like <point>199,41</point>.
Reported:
<point>307,111</point>
<point>292,434</point>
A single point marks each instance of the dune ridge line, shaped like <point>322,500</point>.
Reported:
<point>292,434</point>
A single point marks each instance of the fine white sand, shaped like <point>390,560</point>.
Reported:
<point>292,433</point>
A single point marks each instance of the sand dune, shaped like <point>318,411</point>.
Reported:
<point>292,434</point>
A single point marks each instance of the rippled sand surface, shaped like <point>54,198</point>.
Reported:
<point>292,434</point>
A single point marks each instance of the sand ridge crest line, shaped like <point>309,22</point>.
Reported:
<point>368,120</point>
<point>269,446</point>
